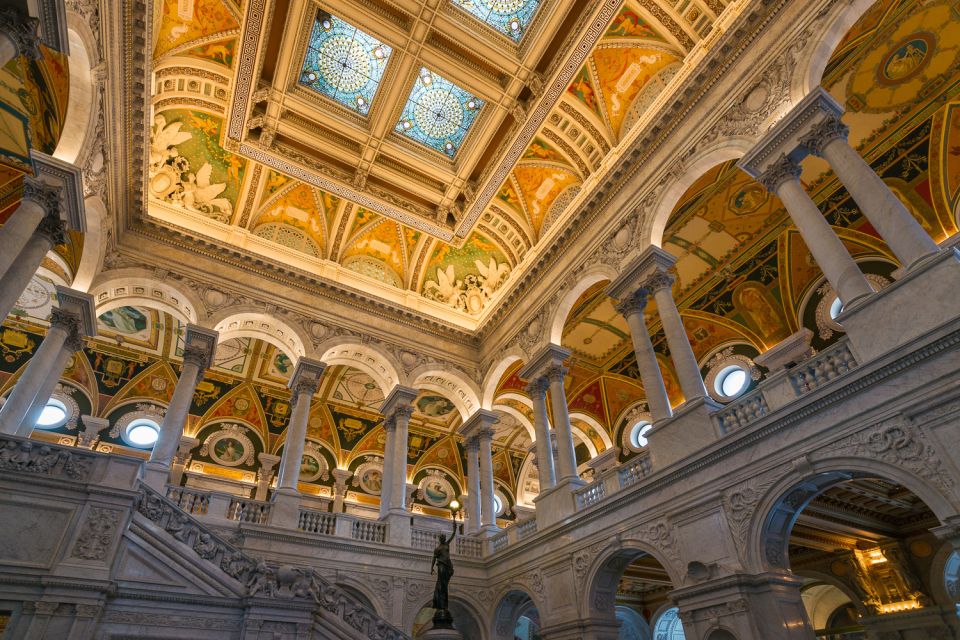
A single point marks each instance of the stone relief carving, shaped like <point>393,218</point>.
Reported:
<point>660,535</point>
<point>96,534</point>
<point>471,293</point>
<point>164,620</point>
<point>31,457</point>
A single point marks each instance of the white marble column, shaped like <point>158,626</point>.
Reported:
<point>783,179</point>
<point>897,226</point>
<point>199,347</point>
<point>537,389</point>
<point>18,36</point>
<point>389,445</point>
<point>566,458</point>
<point>179,464</point>
<point>632,308</point>
<point>39,199</point>
<point>488,508</point>
<point>303,383</point>
<point>71,321</point>
<point>340,478</point>
<point>268,462</point>
<point>397,407</point>
<point>472,445</point>
<point>684,361</point>
<point>51,231</point>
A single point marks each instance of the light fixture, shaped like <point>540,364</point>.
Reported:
<point>454,505</point>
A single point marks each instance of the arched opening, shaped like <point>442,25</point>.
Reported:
<point>869,537</point>
<point>516,617</point>
<point>465,620</point>
<point>721,634</point>
<point>632,588</point>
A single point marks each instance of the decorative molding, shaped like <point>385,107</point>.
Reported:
<point>96,534</point>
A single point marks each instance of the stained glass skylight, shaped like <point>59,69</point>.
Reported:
<point>438,113</point>
<point>344,63</point>
<point>511,17</point>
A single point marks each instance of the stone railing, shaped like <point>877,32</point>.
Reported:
<point>192,501</point>
<point>253,511</point>
<point>468,547</point>
<point>526,528</point>
<point>827,365</point>
<point>590,494</point>
<point>317,522</point>
<point>741,412</point>
<point>369,531</point>
<point>425,539</point>
<point>500,541</point>
<point>635,470</point>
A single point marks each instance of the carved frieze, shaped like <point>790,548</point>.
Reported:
<point>96,534</point>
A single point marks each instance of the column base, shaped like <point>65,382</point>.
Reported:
<point>285,511</point>
<point>687,432</point>
<point>923,299</point>
<point>752,607</point>
<point>557,503</point>
<point>155,475</point>
<point>399,532</point>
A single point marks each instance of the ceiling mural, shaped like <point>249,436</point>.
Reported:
<point>348,78</point>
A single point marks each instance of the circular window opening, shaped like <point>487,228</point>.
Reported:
<point>638,434</point>
<point>53,415</point>
<point>142,432</point>
<point>497,504</point>
<point>731,381</point>
<point>836,308</point>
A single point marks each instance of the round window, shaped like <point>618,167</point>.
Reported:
<point>836,308</point>
<point>142,433</point>
<point>497,504</point>
<point>638,434</point>
<point>53,415</point>
<point>731,381</point>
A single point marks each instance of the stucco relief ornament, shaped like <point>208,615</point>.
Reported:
<point>471,293</point>
<point>230,446</point>
<point>96,535</point>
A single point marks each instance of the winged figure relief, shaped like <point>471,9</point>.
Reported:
<point>200,195</point>
<point>165,138</point>
<point>444,288</point>
<point>493,275</point>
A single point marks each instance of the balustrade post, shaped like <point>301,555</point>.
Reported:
<point>265,474</point>
<point>181,459</point>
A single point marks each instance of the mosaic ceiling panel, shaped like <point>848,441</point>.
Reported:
<point>438,113</point>
<point>511,17</point>
<point>344,63</point>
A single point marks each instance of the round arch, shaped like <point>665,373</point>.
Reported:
<point>722,150</point>
<point>367,358</point>
<point>832,580</point>
<point>94,244</point>
<point>769,531</point>
<point>82,116</point>
<point>132,287</point>
<point>510,606</point>
<point>495,372</point>
<point>604,573</point>
<point>249,323</point>
<point>518,416</point>
<point>460,603</point>
<point>362,593</point>
<point>599,428</point>
<point>451,383</point>
<point>596,273</point>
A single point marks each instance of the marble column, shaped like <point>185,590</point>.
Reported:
<point>199,346</point>
<point>684,361</point>
<point>265,474</point>
<point>488,508</point>
<point>39,200</point>
<point>398,407</point>
<point>897,226</point>
<point>340,478</point>
<point>566,458</point>
<point>632,308</point>
<point>537,389</point>
<point>783,179</point>
<point>472,445</point>
<point>51,231</point>
<point>303,383</point>
<point>18,36</point>
<point>389,444</point>
<point>180,460</point>
<point>71,321</point>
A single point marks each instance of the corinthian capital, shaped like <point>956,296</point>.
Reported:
<point>555,372</point>
<point>636,302</point>
<point>22,29</point>
<point>52,228</point>
<point>779,172</point>
<point>68,321</point>
<point>196,355</point>
<point>538,387</point>
<point>659,280</point>
<point>43,194</point>
<point>825,132</point>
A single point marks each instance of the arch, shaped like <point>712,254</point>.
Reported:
<point>495,372</point>
<point>510,606</point>
<point>134,287</point>
<point>722,150</point>
<point>361,592</point>
<point>721,634</point>
<point>597,273</point>
<point>251,322</point>
<point>604,573</point>
<point>519,416</point>
<point>451,383</point>
<point>769,531</point>
<point>459,603</point>
<point>94,244</point>
<point>81,100</point>
<point>808,74</point>
<point>599,428</point>
<point>368,358</point>
<point>832,580</point>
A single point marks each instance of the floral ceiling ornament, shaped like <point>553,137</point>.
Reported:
<point>471,293</point>
<point>173,180</point>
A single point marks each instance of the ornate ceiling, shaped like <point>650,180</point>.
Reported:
<point>419,152</point>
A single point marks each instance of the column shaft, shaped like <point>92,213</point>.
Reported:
<point>473,484</point>
<point>541,426</point>
<point>487,508</point>
<point>46,388</point>
<point>386,483</point>
<point>22,270</point>
<point>171,430</point>
<point>650,374</point>
<point>827,249</point>
<point>17,231</point>
<point>688,371</point>
<point>289,473</point>
<point>398,490</point>
<point>566,458</point>
<point>42,365</point>
<point>898,228</point>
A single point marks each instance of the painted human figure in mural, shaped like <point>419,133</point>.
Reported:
<point>441,560</point>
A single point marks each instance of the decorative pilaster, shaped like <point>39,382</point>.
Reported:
<point>265,474</point>
<point>632,308</point>
<point>537,389</point>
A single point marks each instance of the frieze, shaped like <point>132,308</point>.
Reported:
<point>165,620</point>
<point>32,457</point>
<point>96,534</point>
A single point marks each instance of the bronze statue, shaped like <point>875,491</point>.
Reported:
<point>441,560</point>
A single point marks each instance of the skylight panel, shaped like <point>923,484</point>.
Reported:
<point>438,113</point>
<point>511,17</point>
<point>344,63</point>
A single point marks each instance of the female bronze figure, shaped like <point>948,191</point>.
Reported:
<point>441,560</point>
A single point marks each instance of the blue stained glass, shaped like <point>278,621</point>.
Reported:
<point>511,17</point>
<point>438,113</point>
<point>344,63</point>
